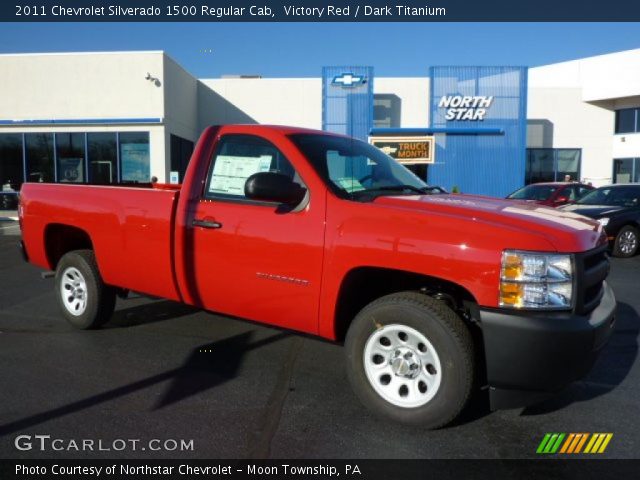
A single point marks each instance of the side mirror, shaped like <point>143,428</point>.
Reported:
<point>560,200</point>
<point>273,187</point>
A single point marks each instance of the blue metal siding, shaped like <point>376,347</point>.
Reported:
<point>347,109</point>
<point>481,163</point>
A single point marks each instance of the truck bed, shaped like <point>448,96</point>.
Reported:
<point>131,229</point>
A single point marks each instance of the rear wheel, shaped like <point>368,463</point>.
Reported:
<point>626,242</point>
<point>85,301</point>
<point>410,359</point>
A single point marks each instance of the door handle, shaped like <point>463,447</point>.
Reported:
<point>197,222</point>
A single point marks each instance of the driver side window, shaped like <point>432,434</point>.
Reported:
<point>236,158</point>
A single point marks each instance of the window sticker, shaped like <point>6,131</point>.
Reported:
<point>230,173</point>
<point>350,184</point>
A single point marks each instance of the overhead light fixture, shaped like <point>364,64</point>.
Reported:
<point>152,79</point>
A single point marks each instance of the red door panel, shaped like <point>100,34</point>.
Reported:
<point>255,263</point>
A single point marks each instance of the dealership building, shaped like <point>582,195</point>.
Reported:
<point>113,117</point>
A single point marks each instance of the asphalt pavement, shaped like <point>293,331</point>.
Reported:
<point>234,389</point>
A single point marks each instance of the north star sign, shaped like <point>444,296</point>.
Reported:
<point>465,107</point>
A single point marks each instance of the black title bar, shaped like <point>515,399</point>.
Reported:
<point>318,11</point>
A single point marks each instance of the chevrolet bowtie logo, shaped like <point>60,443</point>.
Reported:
<point>389,150</point>
<point>348,80</point>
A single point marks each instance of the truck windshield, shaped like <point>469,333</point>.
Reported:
<point>356,170</point>
<point>534,192</point>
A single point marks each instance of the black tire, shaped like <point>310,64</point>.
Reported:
<point>99,299</point>
<point>447,334</point>
<point>626,243</point>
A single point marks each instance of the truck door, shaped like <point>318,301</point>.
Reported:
<point>253,259</point>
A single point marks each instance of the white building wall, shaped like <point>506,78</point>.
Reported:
<point>92,87</point>
<point>578,99</point>
<point>603,77</point>
<point>80,86</point>
<point>616,75</point>
<point>414,98</point>
<point>180,100</point>
<point>626,145</point>
<point>181,111</point>
<point>572,123</point>
<point>297,101</point>
<point>277,101</point>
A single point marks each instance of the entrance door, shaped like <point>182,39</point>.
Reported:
<point>256,260</point>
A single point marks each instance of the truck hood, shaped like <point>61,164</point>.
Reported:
<point>566,231</point>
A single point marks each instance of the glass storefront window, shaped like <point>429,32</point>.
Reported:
<point>181,150</point>
<point>78,157</point>
<point>552,164</point>
<point>103,158</point>
<point>11,170</point>
<point>70,157</point>
<point>39,153</point>
<point>567,163</point>
<point>626,170</point>
<point>134,157</point>
<point>540,165</point>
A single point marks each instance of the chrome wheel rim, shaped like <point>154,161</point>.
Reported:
<point>73,291</point>
<point>402,366</point>
<point>628,242</point>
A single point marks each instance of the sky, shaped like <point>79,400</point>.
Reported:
<point>208,50</point>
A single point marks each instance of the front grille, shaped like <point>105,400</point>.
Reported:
<point>592,268</point>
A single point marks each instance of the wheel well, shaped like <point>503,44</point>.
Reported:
<point>60,239</point>
<point>363,285</point>
<point>630,223</point>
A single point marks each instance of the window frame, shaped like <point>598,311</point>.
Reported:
<point>121,169</point>
<point>60,147</point>
<point>90,141</point>
<point>554,153</point>
<point>20,160</point>
<point>635,169</point>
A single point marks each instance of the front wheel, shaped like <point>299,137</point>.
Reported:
<point>410,359</point>
<point>85,301</point>
<point>626,242</point>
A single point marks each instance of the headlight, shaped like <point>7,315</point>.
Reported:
<point>536,280</point>
<point>604,221</point>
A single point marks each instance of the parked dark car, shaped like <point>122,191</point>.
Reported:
<point>617,208</point>
<point>552,194</point>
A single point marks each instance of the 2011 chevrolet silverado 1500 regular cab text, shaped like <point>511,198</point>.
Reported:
<point>433,295</point>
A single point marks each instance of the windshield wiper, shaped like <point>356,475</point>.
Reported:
<point>400,188</point>
<point>373,193</point>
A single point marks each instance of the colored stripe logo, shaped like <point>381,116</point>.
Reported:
<point>573,443</point>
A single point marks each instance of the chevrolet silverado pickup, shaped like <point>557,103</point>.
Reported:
<point>434,296</point>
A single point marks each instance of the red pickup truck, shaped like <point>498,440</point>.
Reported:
<point>434,295</point>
